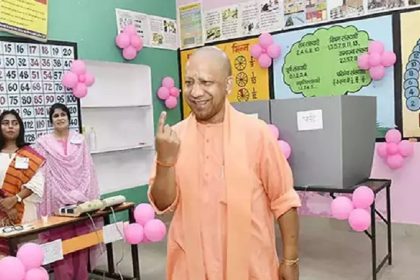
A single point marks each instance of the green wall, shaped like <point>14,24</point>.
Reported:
<point>92,25</point>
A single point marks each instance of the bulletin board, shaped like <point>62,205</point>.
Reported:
<point>323,62</point>
<point>410,59</point>
<point>251,82</point>
<point>30,82</point>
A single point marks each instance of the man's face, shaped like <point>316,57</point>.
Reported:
<point>206,86</point>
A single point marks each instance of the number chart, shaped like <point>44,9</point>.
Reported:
<point>30,82</point>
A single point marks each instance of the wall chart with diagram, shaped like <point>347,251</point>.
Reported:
<point>410,60</point>
<point>323,62</point>
<point>30,82</point>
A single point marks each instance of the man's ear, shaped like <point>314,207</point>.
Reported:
<point>229,84</point>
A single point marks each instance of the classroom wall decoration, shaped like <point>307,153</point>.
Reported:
<point>251,82</point>
<point>323,62</point>
<point>25,18</point>
<point>410,61</point>
<point>30,82</point>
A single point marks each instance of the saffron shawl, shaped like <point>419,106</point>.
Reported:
<point>238,188</point>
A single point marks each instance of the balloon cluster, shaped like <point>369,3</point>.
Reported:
<point>78,79</point>
<point>146,229</point>
<point>27,265</point>
<point>265,50</point>
<point>354,210</point>
<point>393,151</point>
<point>168,92</point>
<point>376,59</point>
<point>284,146</point>
<point>129,41</point>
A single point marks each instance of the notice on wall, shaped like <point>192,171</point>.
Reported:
<point>28,18</point>
<point>157,32</point>
<point>410,60</point>
<point>163,33</point>
<point>271,15</point>
<point>222,24</point>
<point>190,25</point>
<point>250,18</point>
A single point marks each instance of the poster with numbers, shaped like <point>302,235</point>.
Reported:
<point>30,82</point>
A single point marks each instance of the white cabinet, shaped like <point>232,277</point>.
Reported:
<point>119,110</point>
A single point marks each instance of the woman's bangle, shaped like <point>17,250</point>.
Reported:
<point>290,262</point>
<point>164,164</point>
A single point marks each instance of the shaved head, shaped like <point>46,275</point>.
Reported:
<point>216,55</point>
<point>208,81</point>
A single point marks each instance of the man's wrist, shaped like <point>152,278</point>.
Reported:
<point>290,262</point>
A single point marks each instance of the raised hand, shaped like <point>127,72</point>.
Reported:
<point>167,142</point>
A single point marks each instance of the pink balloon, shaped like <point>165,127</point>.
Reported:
<point>136,42</point>
<point>359,220</point>
<point>168,82</point>
<point>163,93</point>
<point>274,51</point>
<point>31,255</point>
<point>78,67</point>
<point>155,230</point>
<point>129,53</point>
<point>264,60</point>
<point>363,61</point>
<point>38,273</point>
<point>374,59</point>
<point>405,148</point>
<point>174,92</point>
<point>89,79</point>
<point>341,207</point>
<point>171,102</point>
<point>375,47</point>
<point>274,130</point>
<point>80,90</point>
<point>388,58</point>
<point>391,148</point>
<point>363,197</point>
<point>265,39</point>
<point>82,78</point>
<point>133,233</point>
<point>145,240</point>
<point>130,29</point>
<point>69,80</point>
<point>11,268</point>
<point>122,40</point>
<point>377,72</point>
<point>395,161</point>
<point>382,150</point>
<point>393,136</point>
<point>256,50</point>
<point>143,213</point>
<point>285,148</point>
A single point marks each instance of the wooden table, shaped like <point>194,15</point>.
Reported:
<point>80,242</point>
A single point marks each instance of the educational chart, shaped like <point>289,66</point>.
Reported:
<point>323,62</point>
<point>30,82</point>
<point>410,61</point>
<point>251,82</point>
<point>27,18</point>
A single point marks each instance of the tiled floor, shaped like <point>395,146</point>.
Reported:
<point>329,251</point>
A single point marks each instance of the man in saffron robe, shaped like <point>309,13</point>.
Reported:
<point>224,176</point>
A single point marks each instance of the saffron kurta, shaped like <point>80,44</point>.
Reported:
<point>271,195</point>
